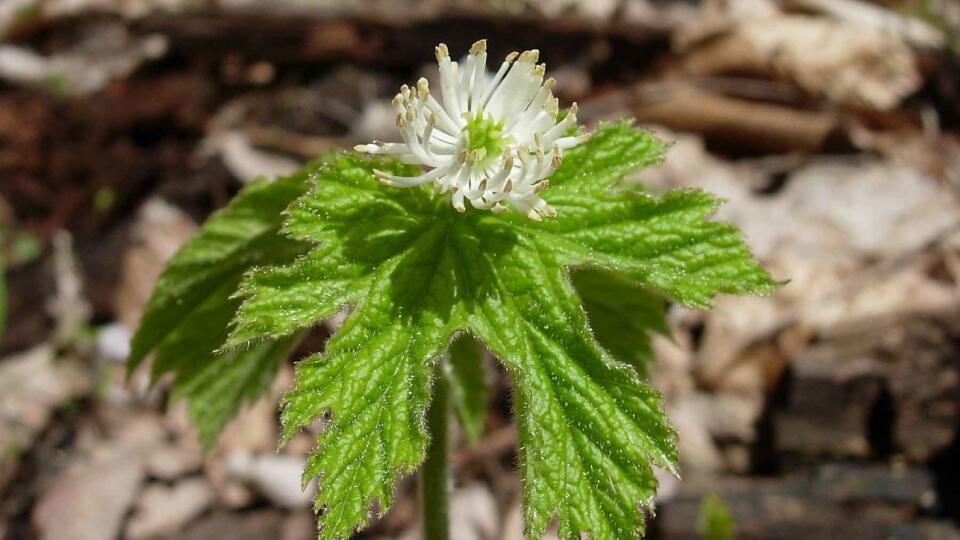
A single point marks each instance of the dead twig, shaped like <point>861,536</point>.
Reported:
<point>735,122</point>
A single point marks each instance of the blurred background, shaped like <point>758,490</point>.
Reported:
<point>830,409</point>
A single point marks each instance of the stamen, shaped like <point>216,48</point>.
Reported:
<point>530,57</point>
<point>458,134</point>
<point>423,87</point>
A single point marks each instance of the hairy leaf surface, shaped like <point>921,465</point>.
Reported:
<point>666,243</point>
<point>187,316</point>
<point>419,276</point>
<point>242,235</point>
<point>613,151</point>
<point>622,315</point>
<point>385,255</point>
<point>589,428</point>
<point>356,229</point>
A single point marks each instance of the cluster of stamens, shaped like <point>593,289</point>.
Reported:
<point>491,140</point>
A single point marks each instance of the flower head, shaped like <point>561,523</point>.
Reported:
<point>490,140</point>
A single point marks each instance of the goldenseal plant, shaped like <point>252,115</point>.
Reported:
<point>439,247</point>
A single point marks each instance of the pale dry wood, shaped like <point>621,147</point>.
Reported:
<point>741,123</point>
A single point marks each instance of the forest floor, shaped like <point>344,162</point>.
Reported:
<point>832,129</point>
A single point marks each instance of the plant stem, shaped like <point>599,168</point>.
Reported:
<point>433,475</point>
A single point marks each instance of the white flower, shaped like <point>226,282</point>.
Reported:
<point>491,138</point>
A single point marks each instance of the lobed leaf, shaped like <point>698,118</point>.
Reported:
<point>356,229</point>
<point>376,248</point>
<point>622,314</point>
<point>419,274</point>
<point>233,240</point>
<point>589,428</point>
<point>614,150</point>
<point>186,318</point>
<point>666,243</point>
<point>374,381</point>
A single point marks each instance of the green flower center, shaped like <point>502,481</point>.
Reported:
<point>485,136</point>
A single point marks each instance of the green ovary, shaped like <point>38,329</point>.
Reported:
<point>486,136</point>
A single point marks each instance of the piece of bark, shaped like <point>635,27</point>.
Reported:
<point>882,387</point>
<point>826,414</point>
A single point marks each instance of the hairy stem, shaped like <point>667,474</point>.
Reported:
<point>433,475</point>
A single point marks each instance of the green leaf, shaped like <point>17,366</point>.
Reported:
<point>356,228</point>
<point>379,250</point>
<point>216,389</point>
<point>186,318</point>
<point>468,387</point>
<point>374,377</point>
<point>613,151</point>
<point>666,243</point>
<point>589,428</point>
<point>242,235</point>
<point>216,385</point>
<point>622,314</point>
<point>418,273</point>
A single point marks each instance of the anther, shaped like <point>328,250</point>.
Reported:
<point>479,47</point>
